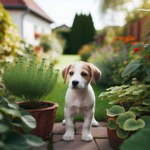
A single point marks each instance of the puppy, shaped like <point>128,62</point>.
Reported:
<point>80,98</point>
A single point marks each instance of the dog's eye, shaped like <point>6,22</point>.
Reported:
<point>71,73</point>
<point>83,74</point>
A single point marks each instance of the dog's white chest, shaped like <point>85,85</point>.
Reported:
<point>80,102</point>
<point>79,110</point>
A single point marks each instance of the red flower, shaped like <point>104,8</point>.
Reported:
<point>149,57</point>
<point>136,50</point>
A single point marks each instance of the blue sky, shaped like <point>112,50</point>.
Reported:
<point>63,12</point>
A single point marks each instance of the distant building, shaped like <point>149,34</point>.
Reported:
<point>31,20</point>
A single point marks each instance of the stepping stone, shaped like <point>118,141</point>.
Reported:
<point>103,144</point>
<point>77,144</point>
<point>43,147</point>
<point>100,131</point>
<point>59,128</point>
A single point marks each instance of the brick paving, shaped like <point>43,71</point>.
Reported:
<point>100,141</point>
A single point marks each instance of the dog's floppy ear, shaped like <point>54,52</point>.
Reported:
<point>96,73</point>
<point>65,72</point>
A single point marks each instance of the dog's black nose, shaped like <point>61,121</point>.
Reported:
<point>75,82</point>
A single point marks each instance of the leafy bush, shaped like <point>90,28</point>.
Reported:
<point>143,60</point>
<point>9,138</point>
<point>11,46</point>
<point>29,80</point>
<point>45,42</point>
<point>131,107</point>
<point>112,59</point>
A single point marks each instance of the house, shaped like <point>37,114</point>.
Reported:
<point>31,20</point>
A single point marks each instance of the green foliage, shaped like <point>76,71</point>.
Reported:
<point>84,56</point>
<point>115,110</point>
<point>112,59</point>
<point>128,96</point>
<point>82,32</point>
<point>111,125</point>
<point>29,80</point>
<point>122,118</point>
<point>132,124</point>
<point>45,42</point>
<point>138,141</point>
<point>131,103</point>
<point>122,133</point>
<point>9,138</point>
<point>141,61</point>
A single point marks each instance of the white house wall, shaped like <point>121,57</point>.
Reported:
<point>16,15</point>
<point>29,23</point>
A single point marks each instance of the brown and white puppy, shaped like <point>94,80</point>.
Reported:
<point>80,98</point>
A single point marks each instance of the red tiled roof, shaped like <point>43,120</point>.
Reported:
<point>30,4</point>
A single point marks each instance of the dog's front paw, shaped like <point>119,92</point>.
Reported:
<point>95,123</point>
<point>87,137</point>
<point>68,137</point>
<point>64,122</point>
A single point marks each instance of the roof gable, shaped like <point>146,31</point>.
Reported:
<point>24,4</point>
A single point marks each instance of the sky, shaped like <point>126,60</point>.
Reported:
<point>63,12</point>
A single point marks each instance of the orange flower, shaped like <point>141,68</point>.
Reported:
<point>125,62</point>
<point>117,48</point>
<point>133,43</point>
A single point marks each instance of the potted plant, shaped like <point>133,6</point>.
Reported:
<point>32,82</point>
<point>130,111</point>
<point>9,138</point>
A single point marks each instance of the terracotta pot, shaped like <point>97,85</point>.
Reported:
<point>114,140</point>
<point>45,119</point>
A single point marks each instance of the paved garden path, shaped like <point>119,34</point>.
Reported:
<point>99,133</point>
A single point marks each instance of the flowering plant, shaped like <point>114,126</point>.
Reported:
<point>142,60</point>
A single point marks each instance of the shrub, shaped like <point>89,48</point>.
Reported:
<point>112,59</point>
<point>29,80</point>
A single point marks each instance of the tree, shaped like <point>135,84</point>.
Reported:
<point>82,32</point>
<point>112,4</point>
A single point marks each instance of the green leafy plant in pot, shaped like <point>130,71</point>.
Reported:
<point>130,111</point>
<point>9,138</point>
<point>32,82</point>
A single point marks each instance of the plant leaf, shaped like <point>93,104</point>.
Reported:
<point>10,111</point>
<point>29,121</point>
<point>135,110</point>
<point>133,125</point>
<point>33,140</point>
<point>148,78</point>
<point>136,45</point>
<point>130,68</point>
<point>138,141</point>
<point>146,119</point>
<point>26,128</point>
<point>3,127</point>
<point>146,102</point>
<point>115,110</point>
<point>148,71</point>
<point>111,125</point>
<point>122,133</point>
<point>123,117</point>
<point>16,141</point>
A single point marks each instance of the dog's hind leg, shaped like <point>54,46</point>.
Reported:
<point>94,122</point>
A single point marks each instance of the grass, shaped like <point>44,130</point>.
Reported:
<point>58,93</point>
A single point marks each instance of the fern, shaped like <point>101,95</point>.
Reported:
<point>29,80</point>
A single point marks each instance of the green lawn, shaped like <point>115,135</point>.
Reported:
<point>58,93</point>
